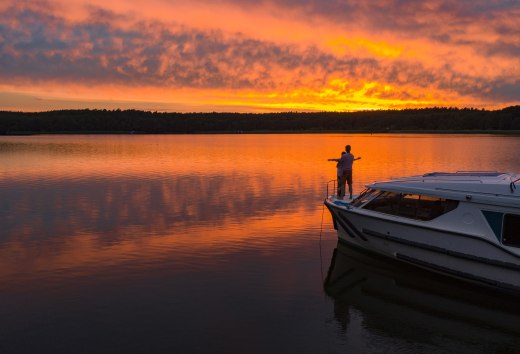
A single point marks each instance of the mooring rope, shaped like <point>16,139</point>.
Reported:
<point>321,231</point>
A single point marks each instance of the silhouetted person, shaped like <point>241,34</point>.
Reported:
<point>346,161</point>
<point>339,169</point>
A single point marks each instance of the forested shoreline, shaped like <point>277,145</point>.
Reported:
<point>136,121</point>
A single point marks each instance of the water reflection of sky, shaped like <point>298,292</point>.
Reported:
<point>103,198</point>
<point>143,236</point>
<point>75,221</point>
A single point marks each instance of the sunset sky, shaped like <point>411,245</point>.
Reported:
<point>258,56</point>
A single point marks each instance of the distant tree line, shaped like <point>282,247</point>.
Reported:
<point>98,121</point>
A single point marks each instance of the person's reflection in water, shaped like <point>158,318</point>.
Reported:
<point>342,314</point>
<point>338,277</point>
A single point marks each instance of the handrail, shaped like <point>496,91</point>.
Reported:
<point>445,178</point>
<point>462,173</point>
<point>429,180</point>
<point>334,187</point>
<point>492,194</point>
<point>512,185</point>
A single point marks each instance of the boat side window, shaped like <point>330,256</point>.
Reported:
<point>386,202</point>
<point>432,207</point>
<point>413,206</point>
<point>408,206</point>
<point>511,233</point>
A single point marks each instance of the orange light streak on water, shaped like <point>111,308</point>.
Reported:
<point>109,200</point>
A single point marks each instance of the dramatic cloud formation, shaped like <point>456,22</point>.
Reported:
<point>232,55</point>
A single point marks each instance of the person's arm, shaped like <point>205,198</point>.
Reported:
<point>333,160</point>
<point>357,158</point>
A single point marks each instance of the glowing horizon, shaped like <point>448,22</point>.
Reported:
<point>245,56</point>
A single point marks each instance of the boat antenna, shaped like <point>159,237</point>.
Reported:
<point>512,185</point>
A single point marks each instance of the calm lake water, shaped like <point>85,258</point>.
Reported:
<point>221,244</point>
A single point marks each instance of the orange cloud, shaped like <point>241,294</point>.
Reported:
<point>177,56</point>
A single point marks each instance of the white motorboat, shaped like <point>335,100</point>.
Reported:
<point>463,224</point>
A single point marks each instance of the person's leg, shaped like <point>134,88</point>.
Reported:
<point>349,182</point>
<point>341,186</point>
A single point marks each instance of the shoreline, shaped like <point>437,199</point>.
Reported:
<point>419,121</point>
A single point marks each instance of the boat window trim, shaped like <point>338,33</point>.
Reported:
<point>369,194</point>
<point>432,208</point>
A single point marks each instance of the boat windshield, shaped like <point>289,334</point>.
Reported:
<point>414,206</point>
<point>364,197</point>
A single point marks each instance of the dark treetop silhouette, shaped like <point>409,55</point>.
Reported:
<point>99,121</point>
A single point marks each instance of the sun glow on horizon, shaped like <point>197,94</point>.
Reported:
<point>175,56</point>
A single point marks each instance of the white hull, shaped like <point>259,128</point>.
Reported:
<point>456,254</point>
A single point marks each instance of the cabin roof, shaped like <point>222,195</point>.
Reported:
<point>450,184</point>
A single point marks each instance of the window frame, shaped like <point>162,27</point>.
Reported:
<point>410,205</point>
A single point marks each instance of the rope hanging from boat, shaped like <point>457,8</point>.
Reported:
<point>321,230</point>
<point>512,185</point>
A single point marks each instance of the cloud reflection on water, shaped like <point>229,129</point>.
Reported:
<point>71,223</point>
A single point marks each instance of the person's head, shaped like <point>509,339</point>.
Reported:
<point>343,153</point>
<point>347,148</point>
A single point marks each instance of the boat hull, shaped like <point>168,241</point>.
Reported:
<point>453,254</point>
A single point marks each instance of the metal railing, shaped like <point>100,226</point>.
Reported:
<point>334,189</point>
<point>463,176</point>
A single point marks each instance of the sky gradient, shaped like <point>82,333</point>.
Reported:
<point>259,56</point>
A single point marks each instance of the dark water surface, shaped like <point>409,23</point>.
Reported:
<point>220,244</point>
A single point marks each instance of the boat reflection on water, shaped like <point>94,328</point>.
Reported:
<point>394,300</point>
